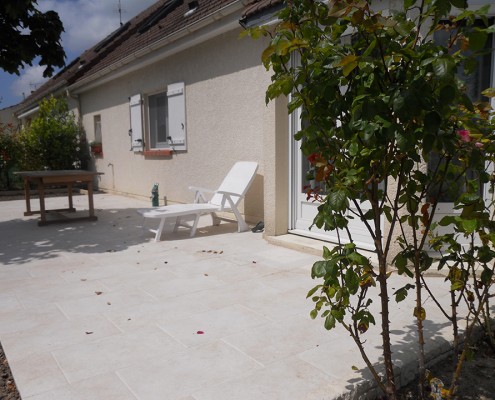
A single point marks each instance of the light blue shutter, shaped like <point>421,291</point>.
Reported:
<point>136,131</point>
<point>177,115</point>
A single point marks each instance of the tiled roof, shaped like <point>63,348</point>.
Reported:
<point>148,29</point>
<point>158,21</point>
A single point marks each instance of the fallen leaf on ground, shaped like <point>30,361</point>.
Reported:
<point>200,332</point>
<point>98,293</point>
<point>89,333</point>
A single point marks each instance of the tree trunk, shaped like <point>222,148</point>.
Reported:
<point>391,391</point>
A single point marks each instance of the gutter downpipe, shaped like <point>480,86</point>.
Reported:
<point>78,103</point>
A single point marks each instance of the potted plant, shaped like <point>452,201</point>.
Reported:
<point>96,147</point>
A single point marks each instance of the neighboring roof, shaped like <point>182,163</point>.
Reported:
<point>159,20</point>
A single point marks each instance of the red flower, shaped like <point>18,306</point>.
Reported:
<point>312,158</point>
<point>464,135</point>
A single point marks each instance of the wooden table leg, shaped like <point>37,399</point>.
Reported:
<point>41,192</point>
<point>27,197</point>
<point>71,204</point>
<point>90,201</point>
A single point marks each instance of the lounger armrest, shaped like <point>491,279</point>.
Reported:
<point>227,198</point>
<point>228,193</point>
<point>199,196</point>
<point>200,189</point>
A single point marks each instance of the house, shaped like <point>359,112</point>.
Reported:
<point>176,97</point>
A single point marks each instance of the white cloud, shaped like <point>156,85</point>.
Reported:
<point>86,22</point>
<point>31,79</point>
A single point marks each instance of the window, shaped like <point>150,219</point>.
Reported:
<point>166,120</point>
<point>158,120</point>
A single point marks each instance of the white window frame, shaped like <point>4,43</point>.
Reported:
<point>175,123</point>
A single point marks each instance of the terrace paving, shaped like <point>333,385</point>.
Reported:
<point>97,310</point>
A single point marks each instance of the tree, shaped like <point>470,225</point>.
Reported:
<point>54,140</point>
<point>28,33</point>
<point>388,122</point>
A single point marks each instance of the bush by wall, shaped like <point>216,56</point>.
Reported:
<point>54,140</point>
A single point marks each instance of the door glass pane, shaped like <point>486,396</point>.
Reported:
<point>474,83</point>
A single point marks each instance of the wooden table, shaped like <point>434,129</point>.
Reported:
<point>68,178</point>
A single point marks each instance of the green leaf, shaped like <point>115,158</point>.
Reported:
<point>420,313</point>
<point>486,276</point>
<point>312,291</point>
<point>470,225</point>
<point>447,93</point>
<point>313,314</point>
<point>443,67</point>
<point>477,40</point>
<point>432,122</point>
<point>319,269</point>
<point>469,198</point>
<point>459,3</point>
<point>352,281</point>
<point>348,63</point>
<point>490,92</point>
<point>353,149</point>
<point>267,53</point>
<point>326,253</point>
<point>338,200</point>
<point>401,293</point>
<point>447,220</point>
<point>428,142</point>
<point>329,322</point>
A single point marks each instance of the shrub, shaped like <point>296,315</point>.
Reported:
<point>9,155</point>
<point>54,140</point>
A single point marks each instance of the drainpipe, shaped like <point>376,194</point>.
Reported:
<point>78,103</point>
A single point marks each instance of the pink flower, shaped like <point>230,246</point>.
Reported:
<point>464,135</point>
<point>479,145</point>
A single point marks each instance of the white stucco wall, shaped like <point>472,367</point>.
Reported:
<point>225,112</point>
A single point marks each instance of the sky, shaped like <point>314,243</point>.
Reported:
<point>85,22</point>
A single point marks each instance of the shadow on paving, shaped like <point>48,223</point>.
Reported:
<point>115,230</point>
<point>24,241</point>
<point>404,355</point>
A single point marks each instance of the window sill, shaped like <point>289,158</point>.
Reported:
<point>158,153</point>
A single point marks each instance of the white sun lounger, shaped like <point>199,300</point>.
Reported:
<point>226,198</point>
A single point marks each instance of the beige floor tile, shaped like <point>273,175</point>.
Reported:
<point>287,380</point>
<point>279,340</point>
<point>186,372</point>
<point>53,335</point>
<point>114,352</point>
<point>104,387</point>
<point>148,314</point>
<point>37,374</point>
<point>214,324</point>
<point>28,319</point>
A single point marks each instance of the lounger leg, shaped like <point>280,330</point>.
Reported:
<point>241,224</point>
<point>215,220</point>
<point>195,225</point>
<point>177,224</point>
<point>160,229</point>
